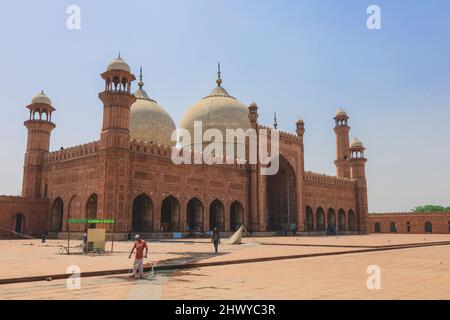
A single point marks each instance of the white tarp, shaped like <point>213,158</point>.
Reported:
<point>236,238</point>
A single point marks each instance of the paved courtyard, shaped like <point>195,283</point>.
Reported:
<point>261,268</point>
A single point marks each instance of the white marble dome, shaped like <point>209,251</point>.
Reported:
<point>356,143</point>
<point>219,111</point>
<point>149,121</point>
<point>41,98</point>
<point>118,64</point>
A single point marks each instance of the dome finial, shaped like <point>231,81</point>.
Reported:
<point>275,123</point>
<point>219,79</point>
<point>141,83</point>
<point>118,56</point>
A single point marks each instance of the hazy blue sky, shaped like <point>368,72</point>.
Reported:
<point>298,58</point>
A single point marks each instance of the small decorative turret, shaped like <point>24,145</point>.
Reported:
<point>300,127</point>
<point>253,113</point>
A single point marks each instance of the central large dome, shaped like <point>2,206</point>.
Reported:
<point>219,111</point>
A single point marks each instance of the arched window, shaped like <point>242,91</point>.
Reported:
<point>91,209</point>
<point>236,215</point>
<point>393,227</point>
<point>428,227</point>
<point>320,220</point>
<point>195,215</point>
<point>309,219</point>
<point>216,215</point>
<point>142,217</point>
<point>170,214</point>
<point>377,227</point>
<point>331,220</point>
<point>351,221</point>
<point>19,223</point>
<point>57,215</point>
<point>341,220</point>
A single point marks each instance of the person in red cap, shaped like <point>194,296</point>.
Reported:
<point>139,245</point>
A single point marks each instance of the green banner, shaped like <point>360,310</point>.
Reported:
<point>104,221</point>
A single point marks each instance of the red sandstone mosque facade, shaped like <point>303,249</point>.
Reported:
<point>128,174</point>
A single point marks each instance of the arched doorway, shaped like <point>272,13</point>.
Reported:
<point>57,215</point>
<point>428,227</point>
<point>393,227</point>
<point>91,209</point>
<point>331,220</point>
<point>195,215</point>
<point>320,220</point>
<point>170,215</point>
<point>142,216</point>
<point>309,219</point>
<point>351,221</point>
<point>19,223</point>
<point>74,212</point>
<point>282,197</point>
<point>236,215</point>
<point>341,220</point>
<point>377,227</point>
<point>216,215</point>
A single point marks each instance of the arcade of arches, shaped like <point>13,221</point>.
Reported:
<point>343,221</point>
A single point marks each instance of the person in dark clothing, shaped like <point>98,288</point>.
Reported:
<point>294,229</point>
<point>216,239</point>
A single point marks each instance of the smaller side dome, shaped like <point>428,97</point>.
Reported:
<point>356,144</point>
<point>41,98</point>
<point>118,64</point>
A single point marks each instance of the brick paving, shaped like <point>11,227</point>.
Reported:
<point>415,273</point>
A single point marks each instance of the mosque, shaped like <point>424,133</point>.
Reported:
<point>128,175</point>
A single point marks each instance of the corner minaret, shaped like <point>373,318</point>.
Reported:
<point>342,144</point>
<point>39,127</point>
<point>358,172</point>
<point>114,157</point>
<point>117,100</point>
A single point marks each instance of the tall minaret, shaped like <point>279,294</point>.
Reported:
<point>39,127</point>
<point>358,172</point>
<point>114,185</point>
<point>342,144</point>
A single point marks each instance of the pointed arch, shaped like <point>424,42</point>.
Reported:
<point>195,215</point>
<point>309,219</point>
<point>341,220</point>
<point>282,197</point>
<point>91,208</point>
<point>142,214</point>
<point>320,220</point>
<point>216,215</point>
<point>331,220</point>
<point>236,215</point>
<point>351,220</point>
<point>57,215</point>
<point>170,214</point>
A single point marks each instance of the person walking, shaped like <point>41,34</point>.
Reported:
<point>139,245</point>
<point>216,239</point>
<point>85,241</point>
